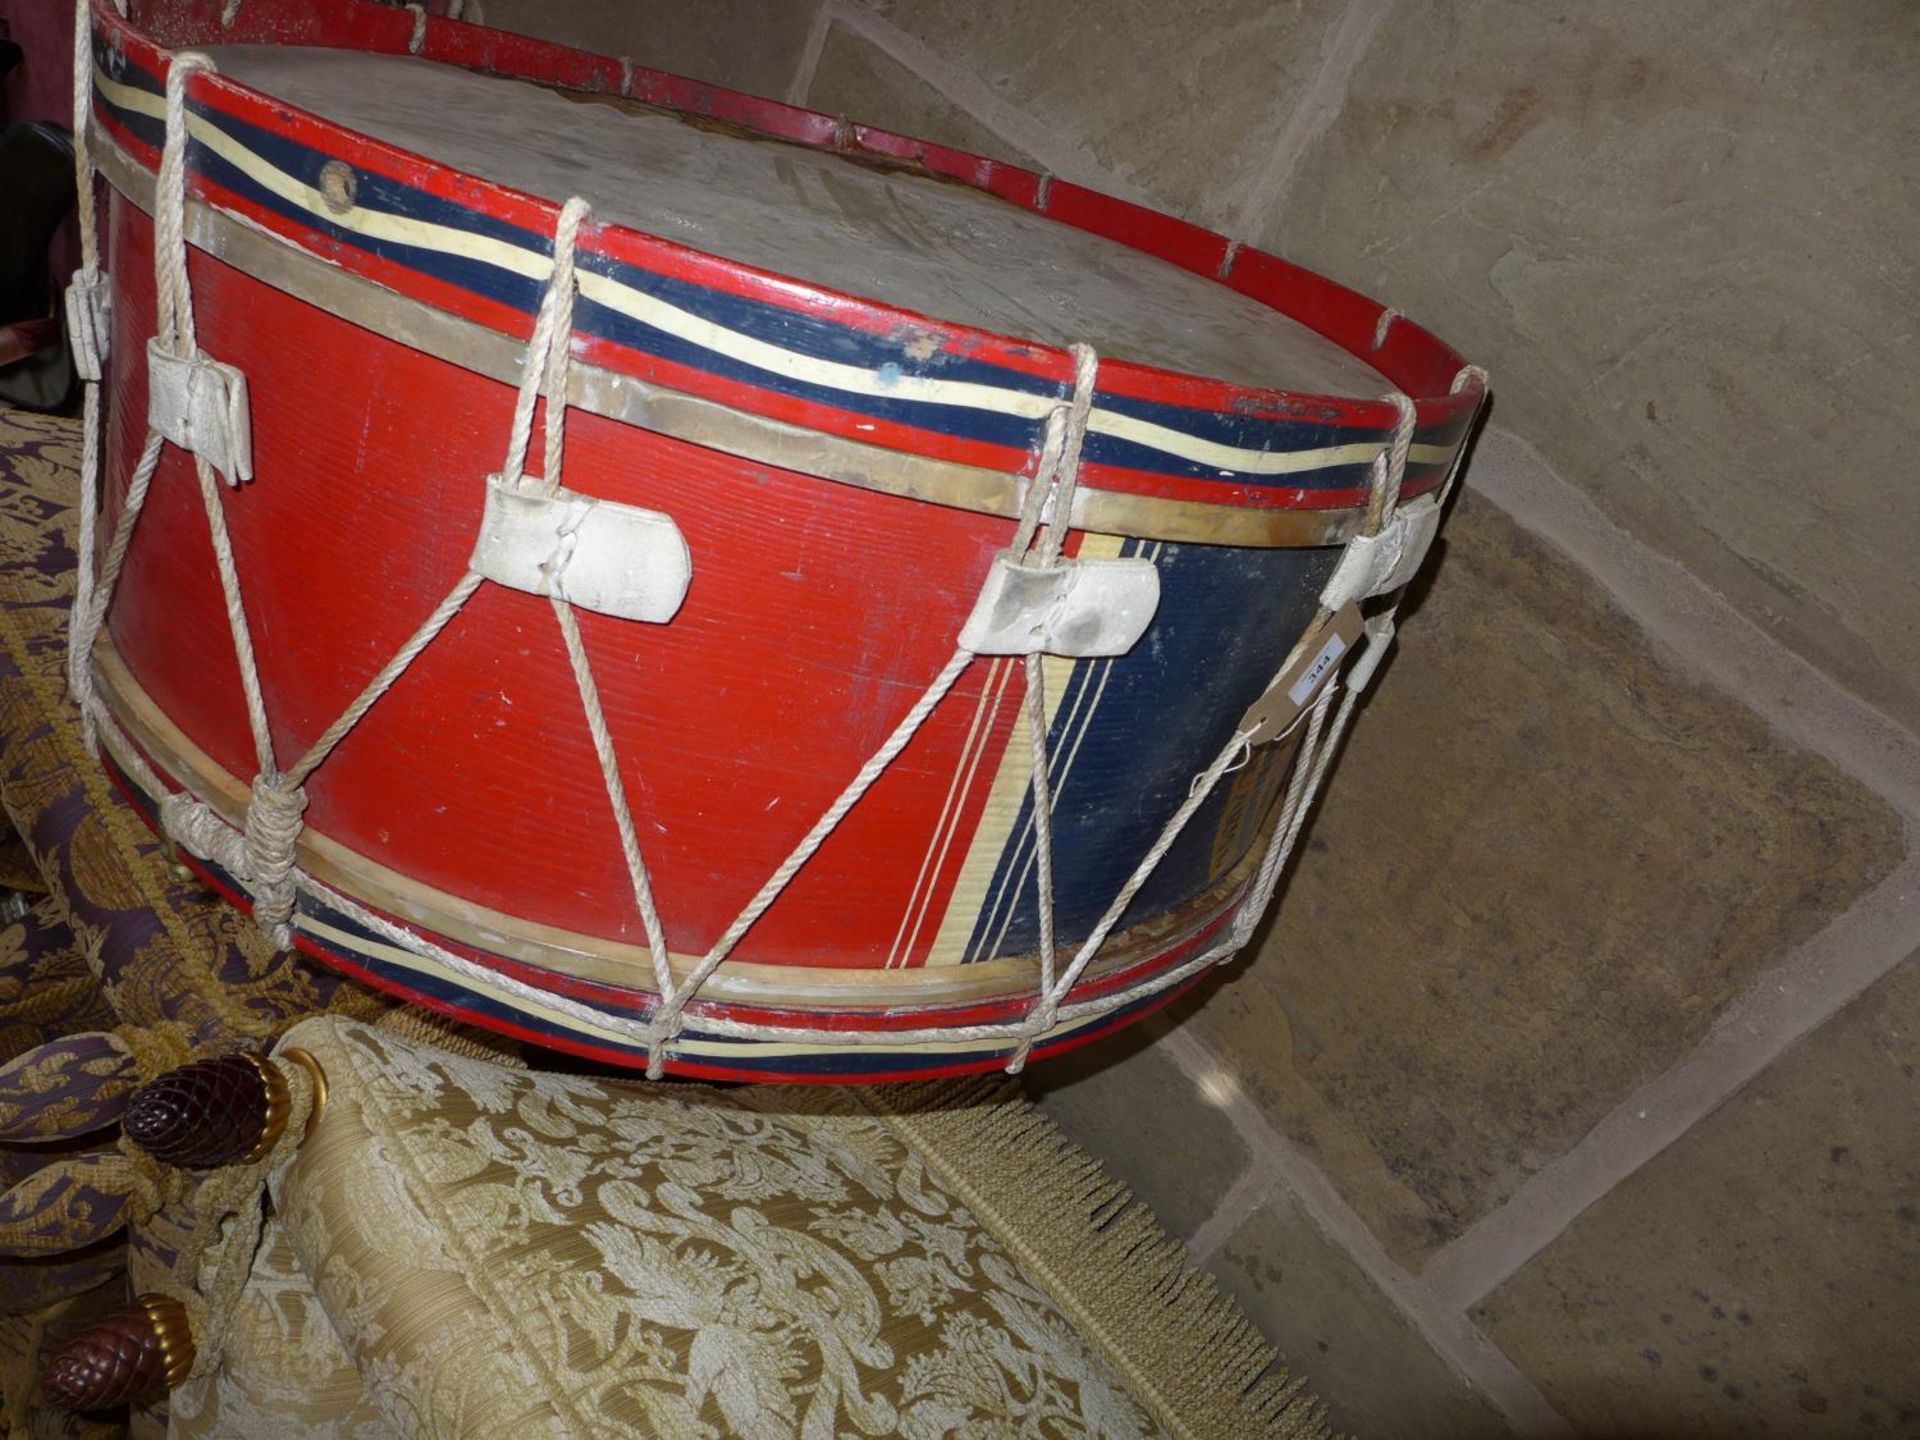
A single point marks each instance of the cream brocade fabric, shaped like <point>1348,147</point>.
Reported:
<point>522,1255</point>
<point>284,1372</point>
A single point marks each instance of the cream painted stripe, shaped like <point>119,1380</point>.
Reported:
<point>942,829</point>
<point>1081,725</point>
<point>720,1048</point>
<point>997,816</point>
<point>1006,669</point>
<point>696,330</point>
<point>1078,726</point>
<point>375,224</point>
<point>1058,676</point>
<point>1002,808</point>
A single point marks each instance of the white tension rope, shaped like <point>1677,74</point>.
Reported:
<point>537,537</point>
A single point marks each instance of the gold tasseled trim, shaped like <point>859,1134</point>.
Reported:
<point>1186,1351</point>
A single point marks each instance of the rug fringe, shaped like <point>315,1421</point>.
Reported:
<point>1185,1349</point>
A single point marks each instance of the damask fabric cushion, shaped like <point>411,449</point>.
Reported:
<point>283,1373</point>
<point>46,989</point>
<point>17,870</point>
<point>511,1253</point>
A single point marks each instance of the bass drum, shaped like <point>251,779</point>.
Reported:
<point>877,678</point>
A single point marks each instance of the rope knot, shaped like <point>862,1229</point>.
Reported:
<point>1390,468</point>
<point>149,1186</point>
<point>275,817</point>
<point>197,829</point>
<point>1040,1019</point>
<point>667,1025</point>
<point>1049,495</point>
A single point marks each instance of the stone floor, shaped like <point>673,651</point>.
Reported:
<point>1548,864</point>
<point>1762,1276</point>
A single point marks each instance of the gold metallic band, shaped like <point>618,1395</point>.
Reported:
<point>294,1055</point>
<point>172,1332</point>
<point>279,1107</point>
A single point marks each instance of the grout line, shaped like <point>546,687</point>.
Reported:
<point>1709,636</point>
<point>1049,145</point>
<point>807,63</point>
<point>1342,48</point>
<point>1246,1195</point>
<point>1783,1005</point>
<point>1454,1337</point>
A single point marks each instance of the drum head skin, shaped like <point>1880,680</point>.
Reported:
<point>923,244</point>
<point>822,357</point>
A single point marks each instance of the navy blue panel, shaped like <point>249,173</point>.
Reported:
<point>1226,621</point>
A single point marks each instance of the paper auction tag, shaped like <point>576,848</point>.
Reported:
<point>1316,659</point>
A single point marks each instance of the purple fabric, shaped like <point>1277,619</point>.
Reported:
<point>66,1088</point>
<point>199,963</point>
<point>67,1204</point>
<point>46,989</point>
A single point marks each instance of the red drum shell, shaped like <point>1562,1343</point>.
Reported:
<point>828,590</point>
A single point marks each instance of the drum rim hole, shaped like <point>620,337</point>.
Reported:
<point>338,186</point>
